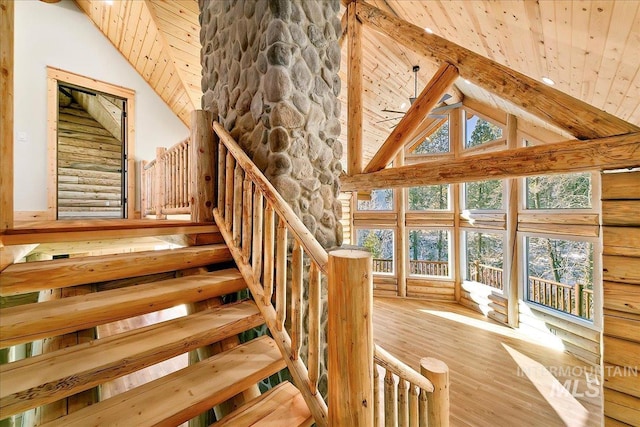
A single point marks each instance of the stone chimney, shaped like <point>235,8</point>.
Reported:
<point>270,75</point>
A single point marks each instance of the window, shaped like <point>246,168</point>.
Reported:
<point>380,243</point>
<point>437,142</point>
<point>429,252</point>
<point>483,195</point>
<point>560,275</point>
<point>484,258</point>
<point>568,191</point>
<point>430,197</point>
<point>381,200</point>
<point>478,131</point>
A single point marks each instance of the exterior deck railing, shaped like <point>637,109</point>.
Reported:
<point>417,267</point>
<point>489,275</point>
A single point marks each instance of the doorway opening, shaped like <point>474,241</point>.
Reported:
<point>92,154</point>
<point>91,168</point>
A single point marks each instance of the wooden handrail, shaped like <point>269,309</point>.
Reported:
<point>258,226</point>
<point>311,246</point>
<point>402,370</point>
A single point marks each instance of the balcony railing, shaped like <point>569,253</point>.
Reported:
<point>572,299</point>
<point>165,182</point>
<point>418,267</point>
<point>487,274</point>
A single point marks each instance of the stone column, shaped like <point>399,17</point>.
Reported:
<point>270,76</point>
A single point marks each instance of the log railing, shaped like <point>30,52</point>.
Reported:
<point>165,182</point>
<point>418,267</point>
<point>572,299</point>
<point>487,274</point>
<point>259,226</point>
<point>402,397</point>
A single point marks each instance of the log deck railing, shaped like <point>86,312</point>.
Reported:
<point>165,182</point>
<point>416,266</point>
<point>258,226</point>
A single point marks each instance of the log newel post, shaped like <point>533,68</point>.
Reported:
<point>437,372</point>
<point>202,165</point>
<point>159,190</point>
<point>350,338</point>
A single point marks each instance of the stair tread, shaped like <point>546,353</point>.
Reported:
<point>283,405</point>
<point>46,378</point>
<point>35,276</point>
<point>51,318</point>
<point>180,396</point>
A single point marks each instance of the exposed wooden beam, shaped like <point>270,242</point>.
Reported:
<point>6,114</point>
<point>417,113</point>
<point>613,152</point>
<point>579,118</point>
<point>354,93</point>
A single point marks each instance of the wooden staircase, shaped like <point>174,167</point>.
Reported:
<point>123,286</point>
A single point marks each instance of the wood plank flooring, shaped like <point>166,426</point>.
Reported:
<point>499,376</point>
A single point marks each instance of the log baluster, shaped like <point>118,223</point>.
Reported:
<point>297,259</point>
<point>315,301</point>
<point>269,246</point>
<point>281,273</point>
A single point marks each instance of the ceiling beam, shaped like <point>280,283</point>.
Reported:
<point>551,105</point>
<point>417,113</point>
<point>614,152</point>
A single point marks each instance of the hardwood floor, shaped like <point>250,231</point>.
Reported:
<point>499,376</point>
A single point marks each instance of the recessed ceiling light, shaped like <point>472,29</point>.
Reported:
<point>428,30</point>
<point>404,104</point>
<point>548,81</point>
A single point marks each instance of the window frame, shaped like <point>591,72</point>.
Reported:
<point>450,253</point>
<point>450,201</point>
<point>394,272</point>
<point>463,257</point>
<point>523,282</point>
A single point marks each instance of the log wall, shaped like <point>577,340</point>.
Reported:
<point>621,296</point>
<point>89,167</point>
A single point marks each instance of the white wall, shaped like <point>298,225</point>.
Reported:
<point>62,36</point>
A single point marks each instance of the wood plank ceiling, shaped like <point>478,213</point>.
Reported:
<point>161,40</point>
<point>588,48</point>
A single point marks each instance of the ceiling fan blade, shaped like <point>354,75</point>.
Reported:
<point>446,107</point>
<point>393,111</point>
<point>444,98</point>
<point>386,120</point>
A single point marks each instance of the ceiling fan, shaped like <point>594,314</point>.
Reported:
<point>434,113</point>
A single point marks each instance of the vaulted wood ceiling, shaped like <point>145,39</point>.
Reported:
<point>588,48</point>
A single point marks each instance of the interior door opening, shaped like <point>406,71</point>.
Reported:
<point>91,154</point>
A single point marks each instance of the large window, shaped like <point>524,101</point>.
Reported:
<point>483,195</point>
<point>560,275</point>
<point>381,200</point>
<point>568,191</point>
<point>478,131</point>
<point>437,142</point>
<point>430,197</point>
<point>429,252</point>
<point>485,258</point>
<point>380,243</point>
